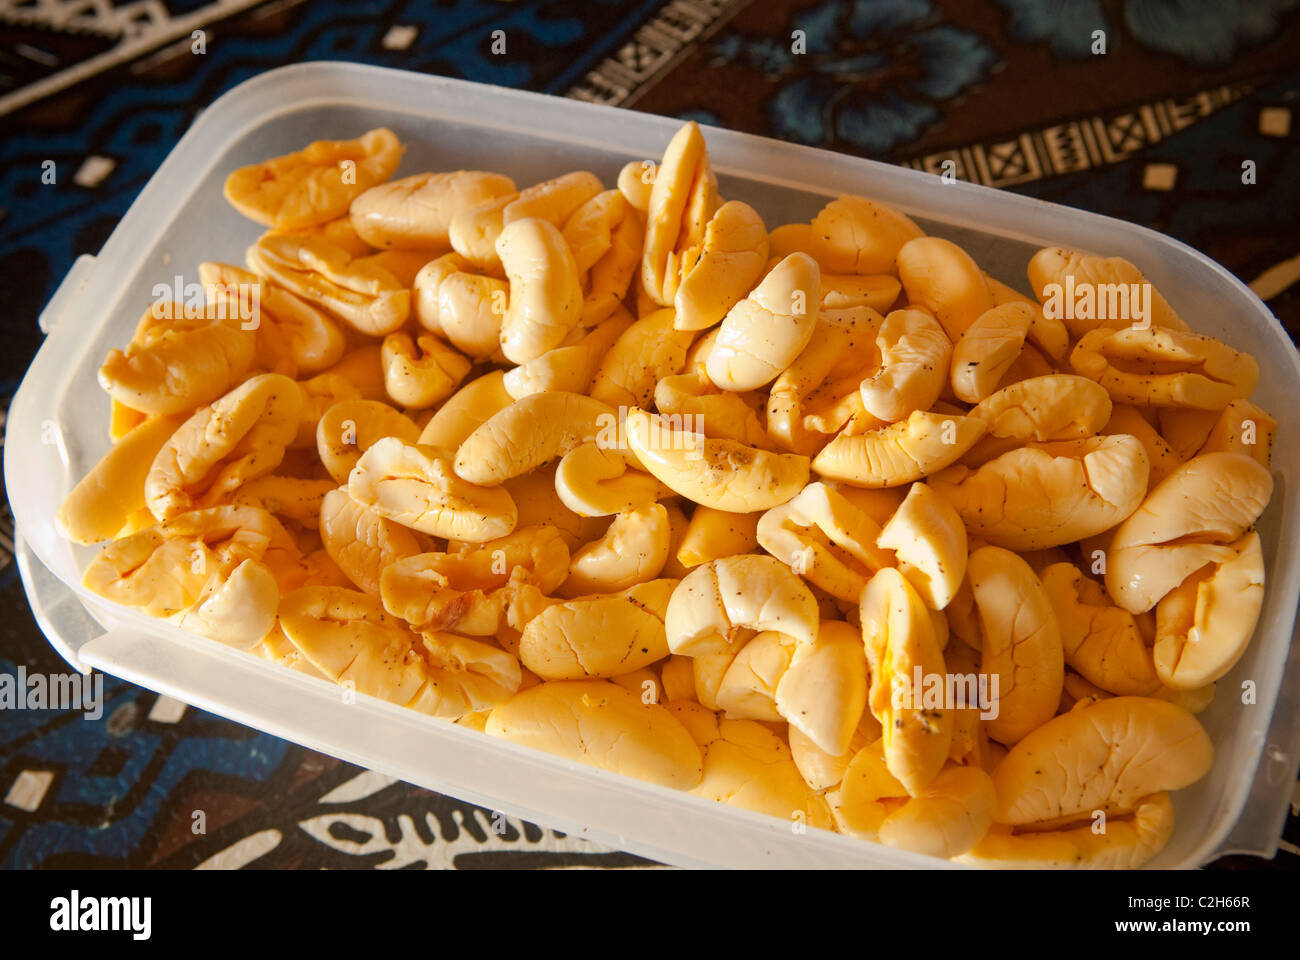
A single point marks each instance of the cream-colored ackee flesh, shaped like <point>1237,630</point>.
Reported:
<point>841,292</point>
<point>822,770</point>
<point>323,391</point>
<point>941,277</point>
<point>1051,407</point>
<point>915,355</point>
<point>530,432</point>
<point>682,201</point>
<point>545,290</point>
<point>1165,368</point>
<point>747,687</point>
<point>823,536</point>
<point>178,359</point>
<point>723,474</point>
<point>1022,642</point>
<point>763,333</point>
<point>894,454</point>
<point>633,550</point>
<point>441,590</point>
<point>610,277</point>
<point>855,235</point>
<point>832,365</point>
<point>722,597</point>
<point>1204,624</point>
<point>601,635</point>
<point>988,348</point>
<point>417,487</point>
<point>1054,269</point>
<point>238,611</point>
<point>900,642</point>
<point>1107,755</point>
<point>350,427</point>
<point>928,539</point>
<point>362,542</point>
<point>415,212</point>
<point>420,373</point>
<point>471,310</point>
<point>823,692</point>
<point>749,766</point>
<point>596,481</point>
<point>712,534</point>
<point>104,500</point>
<point>473,231</point>
<point>947,818</point>
<point>1127,843</point>
<point>1242,427</point>
<point>602,724</point>
<point>313,186</point>
<point>240,437</point>
<point>589,230</point>
<point>719,413</point>
<point>165,568</point>
<point>1046,494</point>
<point>644,353</point>
<point>615,472</point>
<point>1189,520</point>
<point>726,265</point>
<point>570,367</point>
<point>465,411</point>
<point>292,336</point>
<point>364,295</point>
<point>1100,640</point>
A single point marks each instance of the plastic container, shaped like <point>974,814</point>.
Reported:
<point>57,429</point>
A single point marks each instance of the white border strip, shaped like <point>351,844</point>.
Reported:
<point>124,52</point>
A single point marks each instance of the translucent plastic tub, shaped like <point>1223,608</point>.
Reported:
<point>57,429</point>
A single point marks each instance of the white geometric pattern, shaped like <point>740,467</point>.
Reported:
<point>167,710</point>
<point>138,26</point>
<point>475,832</point>
<point>1080,144</point>
<point>659,44</point>
<point>29,789</point>
<point>92,16</point>
<point>410,849</point>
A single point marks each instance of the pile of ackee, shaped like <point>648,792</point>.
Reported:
<point>621,475</point>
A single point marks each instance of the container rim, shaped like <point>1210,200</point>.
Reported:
<point>300,86</point>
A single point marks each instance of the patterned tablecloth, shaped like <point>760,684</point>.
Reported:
<point>1010,92</point>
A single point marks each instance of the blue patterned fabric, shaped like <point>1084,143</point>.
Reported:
<point>1202,32</point>
<point>820,98</point>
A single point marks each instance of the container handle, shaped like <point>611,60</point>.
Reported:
<point>58,611</point>
<point>68,290</point>
<point>1259,828</point>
